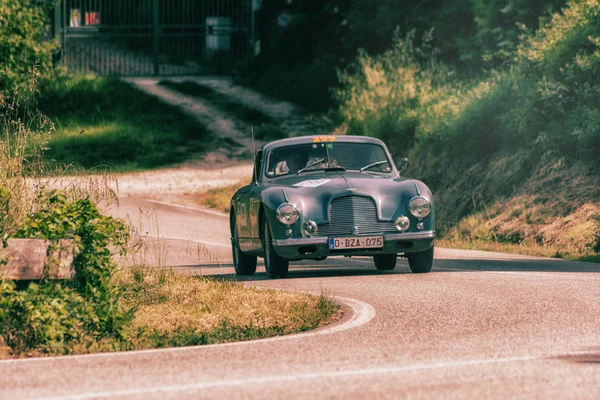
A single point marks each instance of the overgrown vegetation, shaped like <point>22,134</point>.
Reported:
<point>106,122</point>
<point>24,58</point>
<point>513,157</point>
<point>51,317</point>
<point>298,62</point>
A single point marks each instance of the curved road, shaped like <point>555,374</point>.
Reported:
<point>480,325</point>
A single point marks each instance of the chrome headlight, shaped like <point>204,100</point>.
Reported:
<point>419,207</point>
<point>402,223</point>
<point>309,227</point>
<point>287,214</point>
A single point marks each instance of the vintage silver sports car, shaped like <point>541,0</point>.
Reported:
<point>313,197</point>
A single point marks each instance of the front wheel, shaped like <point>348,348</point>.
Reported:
<point>421,262</point>
<point>244,264</point>
<point>385,262</point>
<point>275,265</point>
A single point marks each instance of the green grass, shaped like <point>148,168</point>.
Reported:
<point>106,122</point>
<point>265,127</point>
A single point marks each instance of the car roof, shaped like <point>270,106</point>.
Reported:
<point>320,139</point>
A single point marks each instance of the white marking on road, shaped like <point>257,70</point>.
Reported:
<point>294,378</point>
<point>202,210</point>
<point>206,242</point>
<point>362,313</point>
<point>532,273</point>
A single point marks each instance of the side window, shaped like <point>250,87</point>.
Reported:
<point>257,166</point>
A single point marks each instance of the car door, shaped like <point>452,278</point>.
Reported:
<point>255,201</point>
<point>247,205</point>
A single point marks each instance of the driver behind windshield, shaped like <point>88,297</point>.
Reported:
<point>320,156</point>
<point>287,161</point>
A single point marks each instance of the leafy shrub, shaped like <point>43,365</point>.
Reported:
<point>389,96</point>
<point>47,317</point>
<point>93,235</point>
<point>25,56</point>
<point>564,58</point>
<point>52,317</point>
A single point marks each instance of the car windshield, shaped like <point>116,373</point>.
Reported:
<point>364,157</point>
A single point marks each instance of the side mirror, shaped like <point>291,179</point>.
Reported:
<point>403,164</point>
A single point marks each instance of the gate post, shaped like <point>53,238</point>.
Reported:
<point>155,37</point>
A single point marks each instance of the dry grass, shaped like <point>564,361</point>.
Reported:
<point>219,198</point>
<point>196,309</point>
<point>556,213</point>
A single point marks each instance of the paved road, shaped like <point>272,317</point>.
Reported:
<point>480,325</point>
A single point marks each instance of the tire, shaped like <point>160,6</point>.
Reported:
<point>275,265</point>
<point>244,264</point>
<point>421,262</point>
<point>385,262</point>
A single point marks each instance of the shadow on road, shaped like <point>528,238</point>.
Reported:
<point>524,265</point>
<point>364,267</point>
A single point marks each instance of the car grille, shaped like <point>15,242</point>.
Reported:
<point>350,211</point>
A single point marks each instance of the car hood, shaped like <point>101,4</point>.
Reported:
<point>312,193</point>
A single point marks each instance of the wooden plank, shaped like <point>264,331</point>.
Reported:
<point>27,259</point>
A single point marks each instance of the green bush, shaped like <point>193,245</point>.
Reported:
<point>398,96</point>
<point>53,317</point>
<point>548,100</point>
<point>564,58</point>
<point>25,56</point>
<point>46,317</point>
<point>93,235</point>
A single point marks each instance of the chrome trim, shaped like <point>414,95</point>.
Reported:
<point>348,211</point>
<point>403,218</point>
<point>324,239</point>
<point>409,235</point>
<point>301,242</point>
<point>417,189</point>
<point>410,205</point>
<point>277,213</point>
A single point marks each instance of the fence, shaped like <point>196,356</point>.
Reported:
<point>155,37</point>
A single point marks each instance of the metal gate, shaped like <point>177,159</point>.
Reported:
<point>155,37</point>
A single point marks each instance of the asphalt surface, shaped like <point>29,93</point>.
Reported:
<point>480,325</point>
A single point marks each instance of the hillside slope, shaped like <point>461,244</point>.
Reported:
<point>513,158</point>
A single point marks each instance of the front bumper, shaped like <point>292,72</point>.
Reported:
<point>318,246</point>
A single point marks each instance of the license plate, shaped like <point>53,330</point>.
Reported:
<point>360,242</point>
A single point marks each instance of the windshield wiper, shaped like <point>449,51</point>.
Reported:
<point>373,165</point>
<point>326,169</point>
<point>312,164</point>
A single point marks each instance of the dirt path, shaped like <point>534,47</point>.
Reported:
<point>219,168</point>
<point>291,118</point>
